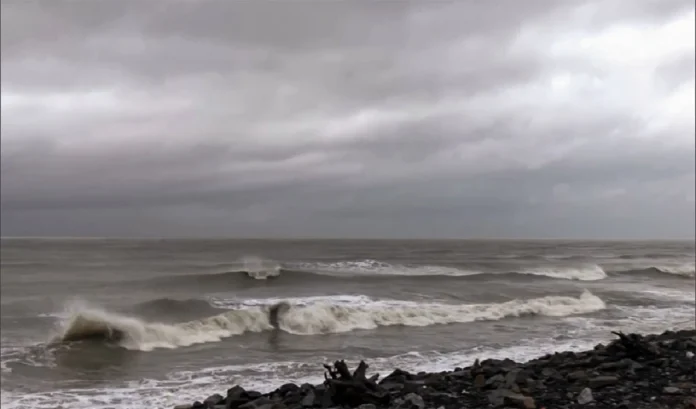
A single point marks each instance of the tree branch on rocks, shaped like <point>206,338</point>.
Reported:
<point>353,389</point>
<point>635,345</point>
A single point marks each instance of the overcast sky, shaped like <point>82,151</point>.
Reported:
<point>451,118</point>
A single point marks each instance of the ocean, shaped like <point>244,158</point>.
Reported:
<point>97,323</point>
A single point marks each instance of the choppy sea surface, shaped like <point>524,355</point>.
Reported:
<point>152,323</point>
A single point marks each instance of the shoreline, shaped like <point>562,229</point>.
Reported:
<point>634,371</point>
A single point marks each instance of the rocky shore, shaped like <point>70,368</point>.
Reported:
<point>632,372</point>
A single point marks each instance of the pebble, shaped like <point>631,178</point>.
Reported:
<point>585,396</point>
<point>602,381</point>
<point>671,390</point>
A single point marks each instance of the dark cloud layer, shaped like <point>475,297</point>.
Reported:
<point>348,119</point>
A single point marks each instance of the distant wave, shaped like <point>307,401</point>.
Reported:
<point>683,270</point>
<point>373,269</point>
<point>376,268</point>
<point>586,273</point>
<point>308,316</point>
<point>260,269</point>
<point>581,272</point>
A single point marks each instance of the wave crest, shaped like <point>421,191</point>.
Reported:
<point>260,269</point>
<point>585,273</point>
<point>380,268</point>
<point>329,318</point>
<point>684,270</point>
<point>308,318</point>
<point>377,268</point>
<point>94,324</point>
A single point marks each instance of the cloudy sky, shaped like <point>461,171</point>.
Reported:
<point>308,118</point>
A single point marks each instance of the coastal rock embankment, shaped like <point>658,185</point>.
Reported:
<point>632,372</point>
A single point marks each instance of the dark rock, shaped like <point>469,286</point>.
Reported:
<point>235,402</point>
<point>551,373</point>
<point>602,381</point>
<point>235,392</point>
<point>495,381</point>
<point>392,386</point>
<point>326,400</point>
<point>503,397</point>
<point>479,381</point>
<point>259,403</point>
<point>634,371</point>
<point>308,400</point>
<point>577,376</point>
<point>251,395</point>
<point>293,398</point>
<point>414,385</point>
<point>288,388</point>
<point>497,397</point>
<point>460,374</point>
<point>520,401</point>
<point>412,401</point>
<point>397,374</point>
<point>213,400</point>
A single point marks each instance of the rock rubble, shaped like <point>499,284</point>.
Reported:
<point>632,372</point>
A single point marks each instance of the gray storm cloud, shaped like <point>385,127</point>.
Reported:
<point>348,119</point>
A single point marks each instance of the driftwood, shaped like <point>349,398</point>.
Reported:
<point>353,389</point>
<point>635,345</point>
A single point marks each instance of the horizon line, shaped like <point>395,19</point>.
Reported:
<point>327,238</point>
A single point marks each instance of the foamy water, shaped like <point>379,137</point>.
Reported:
<point>310,316</point>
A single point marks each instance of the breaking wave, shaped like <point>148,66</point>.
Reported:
<point>260,269</point>
<point>93,324</point>
<point>305,317</point>
<point>379,268</point>
<point>684,270</point>
<point>588,273</point>
<point>263,270</point>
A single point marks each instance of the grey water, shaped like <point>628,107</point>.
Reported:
<point>99,323</point>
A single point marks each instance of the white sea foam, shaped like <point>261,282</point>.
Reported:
<point>133,333</point>
<point>375,267</point>
<point>339,299</point>
<point>260,269</point>
<point>688,295</point>
<point>330,318</point>
<point>591,272</point>
<point>307,316</point>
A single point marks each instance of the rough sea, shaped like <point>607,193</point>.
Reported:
<point>154,323</point>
